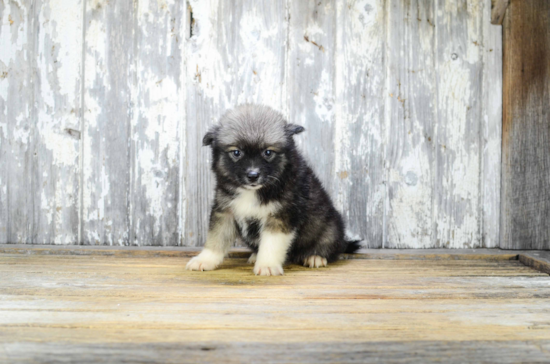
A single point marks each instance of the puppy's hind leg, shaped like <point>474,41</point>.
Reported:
<point>252,258</point>
<point>221,234</point>
<point>315,261</point>
<point>327,244</point>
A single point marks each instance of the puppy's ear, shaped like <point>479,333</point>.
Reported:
<point>209,137</point>
<point>293,129</point>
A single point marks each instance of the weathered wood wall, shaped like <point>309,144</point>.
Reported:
<point>526,126</point>
<point>103,105</point>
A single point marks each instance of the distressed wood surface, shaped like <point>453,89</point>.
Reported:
<point>204,71</point>
<point>320,352</point>
<point>491,104</point>
<point>400,102</point>
<point>240,252</point>
<point>539,260</point>
<point>122,307</point>
<point>458,62</point>
<point>359,187</point>
<point>109,52</point>
<point>158,100</point>
<point>526,126</point>
<point>57,98</point>
<point>311,74</point>
<point>498,11</point>
<point>411,117</point>
<point>17,113</point>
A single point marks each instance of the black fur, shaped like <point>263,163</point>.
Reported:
<point>285,179</point>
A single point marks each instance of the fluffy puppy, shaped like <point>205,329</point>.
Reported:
<point>267,195</point>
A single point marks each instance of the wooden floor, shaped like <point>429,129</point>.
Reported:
<point>393,307</point>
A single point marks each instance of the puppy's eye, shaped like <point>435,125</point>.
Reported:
<point>235,154</point>
<point>269,153</point>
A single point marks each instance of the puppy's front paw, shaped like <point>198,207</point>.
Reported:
<point>315,261</point>
<point>268,270</point>
<point>252,258</point>
<point>206,260</point>
<point>201,265</point>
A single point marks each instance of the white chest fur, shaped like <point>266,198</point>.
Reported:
<point>246,205</point>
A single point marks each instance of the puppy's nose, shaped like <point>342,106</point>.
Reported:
<point>253,176</point>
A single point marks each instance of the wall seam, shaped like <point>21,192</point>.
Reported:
<point>82,128</point>
<point>386,124</point>
<point>134,86</point>
<point>482,109</point>
<point>434,242</point>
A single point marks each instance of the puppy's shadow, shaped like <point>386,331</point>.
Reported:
<point>238,272</point>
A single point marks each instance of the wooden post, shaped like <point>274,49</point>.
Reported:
<point>525,193</point>
<point>498,11</point>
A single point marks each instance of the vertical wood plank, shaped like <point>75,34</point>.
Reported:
<point>359,190</point>
<point>17,45</point>
<point>158,100</point>
<point>235,55</point>
<point>525,192</point>
<point>311,92</point>
<point>491,124</point>
<point>458,133</point>
<point>206,75</point>
<point>57,90</point>
<point>498,11</point>
<point>109,51</point>
<point>410,137</point>
<point>6,65</point>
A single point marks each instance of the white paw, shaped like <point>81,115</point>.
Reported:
<point>252,258</point>
<point>315,261</point>
<point>268,270</point>
<point>206,260</point>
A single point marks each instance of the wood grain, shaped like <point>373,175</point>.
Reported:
<point>152,251</point>
<point>359,189</point>
<point>203,64</point>
<point>57,98</point>
<point>498,11</point>
<point>525,201</point>
<point>109,51</point>
<point>79,306</point>
<point>158,117</point>
<point>540,260</point>
<point>311,81</point>
<point>458,62</point>
<point>491,129</point>
<point>399,100</point>
<point>17,113</point>
<point>319,352</point>
<point>411,122</point>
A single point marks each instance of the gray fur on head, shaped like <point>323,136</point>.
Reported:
<point>256,124</point>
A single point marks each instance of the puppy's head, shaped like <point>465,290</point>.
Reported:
<point>250,144</point>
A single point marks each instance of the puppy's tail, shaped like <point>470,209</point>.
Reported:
<point>352,246</point>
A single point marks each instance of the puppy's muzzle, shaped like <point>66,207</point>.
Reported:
<point>252,176</point>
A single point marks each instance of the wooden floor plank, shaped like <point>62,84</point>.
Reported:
<point>449,352</point>
<point>540,260</point>
<point>155,251</point>
<point>148,308</point>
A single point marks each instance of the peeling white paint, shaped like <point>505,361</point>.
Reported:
<point>391,137</point>
<point>410,203</point>
<point>324,98</point>
<point>63,148</point>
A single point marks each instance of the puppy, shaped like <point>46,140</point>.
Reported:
<point>267,195</point>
